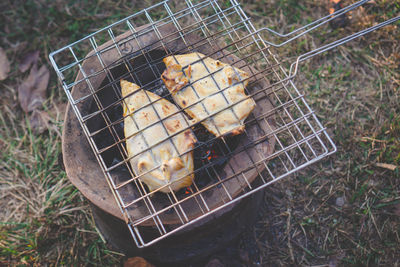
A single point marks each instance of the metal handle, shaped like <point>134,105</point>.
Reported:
<point>316,24</point>
<point>319,50</point>
<point>311,26</point>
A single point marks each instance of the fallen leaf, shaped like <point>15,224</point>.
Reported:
<point>25,89</point>
<point>39,121</point>
<point>4,65</point>
<point>28,60</point>
<point>137,262</point>
<point>214,263</point>
<point>39,93</point>
<point>32,92</point>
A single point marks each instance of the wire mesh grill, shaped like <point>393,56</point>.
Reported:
<point>282,137</point>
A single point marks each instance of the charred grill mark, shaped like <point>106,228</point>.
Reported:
<point>165,109</point>
<point>206,149</point>
<point>145,115</point>
<point>142,166</point>
<point>188,71</point>
<point>173,126</point>
<point>173,77</point>
<point>170,128</point>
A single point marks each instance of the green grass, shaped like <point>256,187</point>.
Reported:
<point>354,90</point>
<point>44,220</point>
<point>43,215</point>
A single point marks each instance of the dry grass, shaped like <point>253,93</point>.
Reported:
<point>43,218</point>
<point>344,210</point>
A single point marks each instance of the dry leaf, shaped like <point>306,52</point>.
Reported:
<point>4,65</point>
<point>137,262</point>
<point>214,263</point>
<point>26,88</point>
<point>39,121</point>
<point>28,60</point>
<point>39,92</point>
<point>32,92</point>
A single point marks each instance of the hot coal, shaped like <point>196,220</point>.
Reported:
<point>210,155</point>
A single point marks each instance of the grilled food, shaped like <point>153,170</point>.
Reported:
<point>143,128</point>
<point>205,88</point>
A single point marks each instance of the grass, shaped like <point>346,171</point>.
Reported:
<point>43,215</point>
<point>343,210</point>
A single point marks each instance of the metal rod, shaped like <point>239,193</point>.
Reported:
<point>300,137</point>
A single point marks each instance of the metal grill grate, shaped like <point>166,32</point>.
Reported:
<point>278,140</point>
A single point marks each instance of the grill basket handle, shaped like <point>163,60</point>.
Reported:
<point>311,26</point>
<point>319,50</point>
<point>295,34</point>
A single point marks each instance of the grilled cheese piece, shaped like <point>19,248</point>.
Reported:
<point>210,91</point>
<point>144,126</point>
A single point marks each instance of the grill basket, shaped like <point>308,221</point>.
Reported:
<point>281,136</point>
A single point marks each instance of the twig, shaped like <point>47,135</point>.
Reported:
<point>388,166</point>
<point>288,234</point>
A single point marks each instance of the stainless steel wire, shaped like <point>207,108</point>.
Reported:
<point>298,136</point>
